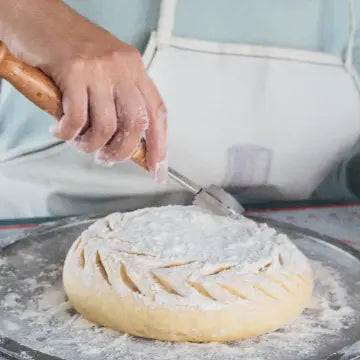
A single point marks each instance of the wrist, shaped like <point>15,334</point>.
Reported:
<point>30,29</point>
<point>8,16</point>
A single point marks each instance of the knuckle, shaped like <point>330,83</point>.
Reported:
<point>79,65</point>
<point>136,58</point>
<point>129,60</point>
<point>135,54</point>
<point>75,65</point>
<point>98,64</point>
<point>117,56</point>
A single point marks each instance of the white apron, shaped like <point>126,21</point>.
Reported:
<point>270,122</point>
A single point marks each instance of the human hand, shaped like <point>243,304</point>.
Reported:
<point>109,102</point>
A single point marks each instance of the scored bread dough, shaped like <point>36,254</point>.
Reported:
<point>180,273</point>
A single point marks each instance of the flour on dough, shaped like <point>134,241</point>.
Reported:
<point>180,273</point>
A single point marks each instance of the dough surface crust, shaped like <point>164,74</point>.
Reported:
<point>180,273</point>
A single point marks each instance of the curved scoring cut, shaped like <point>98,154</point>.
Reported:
<point>265,267</point>
<point>293,279</point>
<point>200,289</point>
<point>127,279</point>
<point>108,225</point>
<point>234,291</point>
<point>77,244</point>
<point>82,258</point>
<point>279,281</point>
<point>301,277</point>
<point>136,253</point>
<point>264,291</point>
<point>176,264</point>
<point>101,268</point>
<point>281,261</point>
<point>165,285</point>
<point>221,269</point>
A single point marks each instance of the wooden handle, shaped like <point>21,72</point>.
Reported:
<point>31,82</point>
<point>42,91</point>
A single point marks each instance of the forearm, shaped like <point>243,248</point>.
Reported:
<point>29,27</point>
<point>8,9</point>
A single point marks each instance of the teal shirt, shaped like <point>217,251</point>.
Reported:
<point>321,25</point>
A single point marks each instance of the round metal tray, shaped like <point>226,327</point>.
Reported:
<point>37,322</point>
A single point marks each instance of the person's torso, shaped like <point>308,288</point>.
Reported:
<point>302,24</point>
<point>319,26</point>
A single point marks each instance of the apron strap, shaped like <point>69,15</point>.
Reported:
<point>352,33</point>
<point>166,22</point>
<point>349,60</point>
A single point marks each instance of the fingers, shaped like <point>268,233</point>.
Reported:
<point>132,121</point>
<point>102,118</point>
<point>75,103</point>
<point>111,118</point>
<point>156,134</point>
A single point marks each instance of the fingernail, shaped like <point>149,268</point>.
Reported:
<point>161,172</point>
<point>79,145</point>
<point>102,162</point>
<point>102,156</point>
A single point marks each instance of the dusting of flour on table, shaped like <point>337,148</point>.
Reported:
<point>35,312</point>
<point>54,328</point>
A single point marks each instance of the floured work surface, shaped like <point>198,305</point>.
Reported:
<point>34,311</point>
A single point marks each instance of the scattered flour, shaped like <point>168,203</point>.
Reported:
<point>2,261</point>
<point>53,327</point>
<point>11,326</point>
<point>25,356</point>
<point>10,300</point>
<point>35,312</point>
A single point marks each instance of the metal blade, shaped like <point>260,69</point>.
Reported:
<point>213,198</point>
<point>184,181</point>
<point>219,200</point>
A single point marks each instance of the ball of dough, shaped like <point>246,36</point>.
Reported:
<point>180,273</point>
